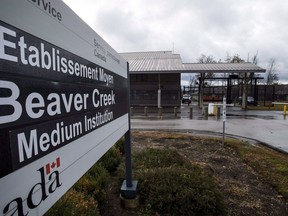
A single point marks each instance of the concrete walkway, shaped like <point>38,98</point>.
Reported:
<point>268,127</point>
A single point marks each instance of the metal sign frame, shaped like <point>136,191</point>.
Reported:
<point>63,102</point>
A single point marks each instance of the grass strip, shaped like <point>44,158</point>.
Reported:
<point>271,165</point>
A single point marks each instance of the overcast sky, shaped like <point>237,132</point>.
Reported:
<point>193,27</point>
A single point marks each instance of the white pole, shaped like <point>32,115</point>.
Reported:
<point>159,98</point>
<point>224,118</point>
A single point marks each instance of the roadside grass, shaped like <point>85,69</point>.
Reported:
<point>271,165</point>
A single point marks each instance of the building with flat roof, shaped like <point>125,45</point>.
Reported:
<point>155,77</point>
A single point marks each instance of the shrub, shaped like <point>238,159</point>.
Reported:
<point>120,145</point>
<point>180,191</point>
<point>111,159</point>
<point>85,195</point>
<point>157,158</point>
<point>168,184</point>
<point>152,158</point>
<point>94,183</point>
<point>74,203</point>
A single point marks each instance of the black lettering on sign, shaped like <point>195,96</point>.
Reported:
<point>48,8</point>
<point>48,184</point>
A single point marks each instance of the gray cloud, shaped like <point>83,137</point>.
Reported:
<point>194,27</point>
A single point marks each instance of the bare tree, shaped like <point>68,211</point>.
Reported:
<point>237,59</point>
<point>233,59</point>
<point>228,57</point>
<point>192,80</point>
<point>206,59</point>
<point>202,76</point>
<point>252,75</point>
<point>255,58</point>
<point>271,75</point>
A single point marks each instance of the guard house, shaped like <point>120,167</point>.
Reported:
<point>155,77</point>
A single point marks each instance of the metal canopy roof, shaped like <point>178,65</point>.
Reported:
<point>223,67</point>
<point>167,62</point>
<point>163,61</point>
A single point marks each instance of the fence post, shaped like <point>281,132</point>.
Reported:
<point>160,111</point>
<point>218,112</point>
<point>205,111</point>
<point>191,112</point>
<point>175,111</point>
<point>145,111</point>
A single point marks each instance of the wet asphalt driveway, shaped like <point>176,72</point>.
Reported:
<point>267,127</point>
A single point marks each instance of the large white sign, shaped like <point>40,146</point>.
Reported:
<point>63,102</point>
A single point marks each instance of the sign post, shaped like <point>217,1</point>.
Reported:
<point>129,187</point>
<point>64,102</point>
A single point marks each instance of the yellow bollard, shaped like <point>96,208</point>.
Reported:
<point>215,110</point>
<point>284,111</point>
